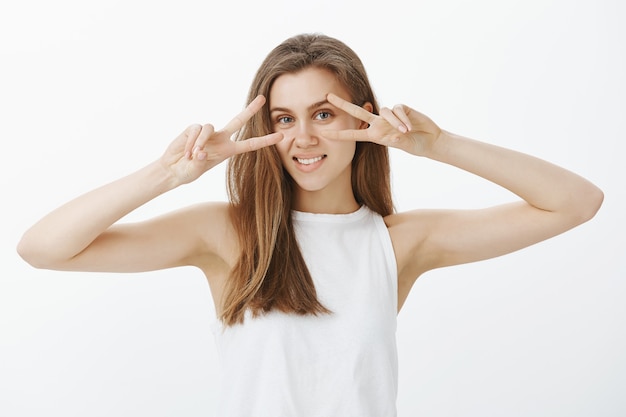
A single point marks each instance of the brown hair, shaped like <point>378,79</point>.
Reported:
<point>271,272</point>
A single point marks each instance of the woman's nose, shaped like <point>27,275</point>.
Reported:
<point>305,136</point>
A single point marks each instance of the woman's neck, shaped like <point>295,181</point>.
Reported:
<point>324,202</point>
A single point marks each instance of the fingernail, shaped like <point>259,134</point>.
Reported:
<point>188,155</point>
<point>402,128</point>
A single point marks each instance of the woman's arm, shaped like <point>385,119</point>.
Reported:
<point>82,234</point>
<point>553,199</point>
<point>58,239</point>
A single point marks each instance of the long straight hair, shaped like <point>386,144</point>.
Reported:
<point>271,273</point>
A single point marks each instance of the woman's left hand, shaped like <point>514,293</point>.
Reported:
<point>401,127</point>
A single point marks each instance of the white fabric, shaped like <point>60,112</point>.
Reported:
<point>342,364</point>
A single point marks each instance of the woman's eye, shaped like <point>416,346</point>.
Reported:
<point>284,120</point>
<point>323,115</point>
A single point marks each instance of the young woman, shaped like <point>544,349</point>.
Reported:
<point>308,263</point>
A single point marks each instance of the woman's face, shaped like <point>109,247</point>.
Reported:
<point>299,109</point>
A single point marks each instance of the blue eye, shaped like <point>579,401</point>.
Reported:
<point>323,115</point>
<point>284,120</point>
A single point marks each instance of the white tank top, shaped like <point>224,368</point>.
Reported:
<point>340,364</point>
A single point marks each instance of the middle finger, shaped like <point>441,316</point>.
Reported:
<point>240,120</point>
<point>351,109</point>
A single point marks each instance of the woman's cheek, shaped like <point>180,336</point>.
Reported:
<point>283,147</point>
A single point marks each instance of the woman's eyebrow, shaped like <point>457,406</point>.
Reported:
<point>311,107</point>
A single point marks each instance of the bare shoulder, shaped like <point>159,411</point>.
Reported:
<point>212,224</point>
<point>408,232</point>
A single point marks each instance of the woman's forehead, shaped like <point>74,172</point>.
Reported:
<point>305,89</point>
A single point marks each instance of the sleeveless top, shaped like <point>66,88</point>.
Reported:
<point>339,364</point>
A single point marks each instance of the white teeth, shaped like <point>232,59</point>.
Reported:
<point>309,161</point>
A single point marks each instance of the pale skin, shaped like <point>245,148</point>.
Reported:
<point>320,126</point>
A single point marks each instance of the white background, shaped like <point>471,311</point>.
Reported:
<point>91,91</point>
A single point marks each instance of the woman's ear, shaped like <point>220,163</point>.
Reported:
<point>370,108</point>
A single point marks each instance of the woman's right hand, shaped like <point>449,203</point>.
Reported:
<point>199,148</point>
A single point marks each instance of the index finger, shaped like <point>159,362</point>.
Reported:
<point>240,120</point>
<point>350,108</point>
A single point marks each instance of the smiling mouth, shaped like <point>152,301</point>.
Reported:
<point>309,161</point>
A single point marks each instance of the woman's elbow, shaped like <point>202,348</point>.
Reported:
<point>26,252</point>
<point>33,253</point>
<point>588,204</point>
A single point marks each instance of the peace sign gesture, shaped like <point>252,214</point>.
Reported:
<point>199,147</point>
<point>400,127</point>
